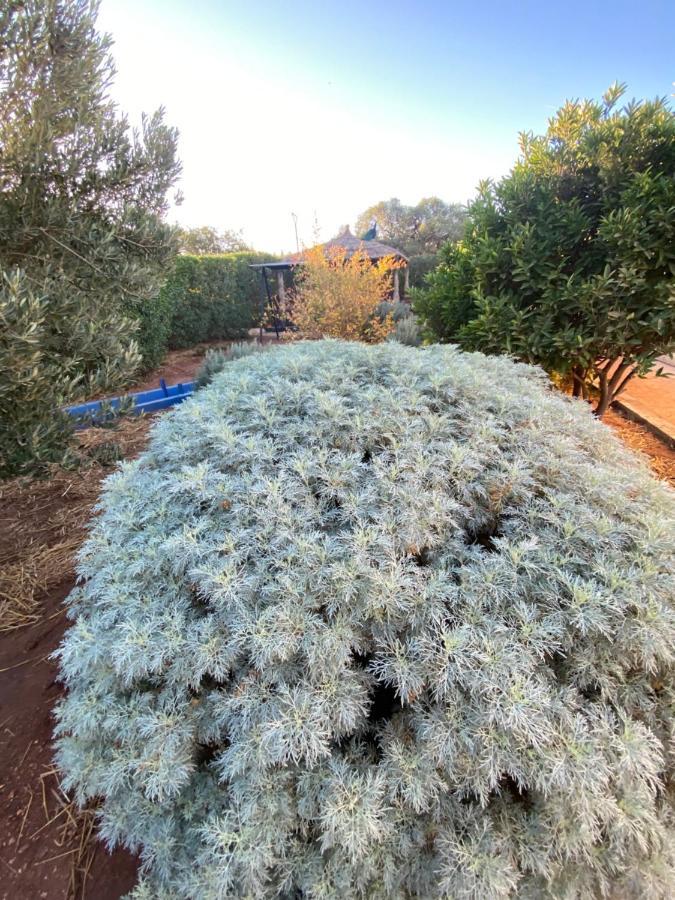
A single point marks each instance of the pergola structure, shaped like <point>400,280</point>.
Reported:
<point>345,242</point>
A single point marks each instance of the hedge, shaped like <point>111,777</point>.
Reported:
<point>213,297</point>
<point>204,298</point>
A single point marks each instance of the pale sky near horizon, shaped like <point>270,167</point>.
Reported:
<point>321,111</point>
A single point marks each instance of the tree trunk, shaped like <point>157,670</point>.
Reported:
<point>603,402</point>
<point>610,388</point>
<point>578,382</point>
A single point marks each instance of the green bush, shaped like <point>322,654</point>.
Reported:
<point>569,261</point>
<point>375,621</point>
<point>420,266</point>
<point>32,384</point>
<point>155,324</point>
<point>82,201</point>
<point>446,303</point>
<point>213,297</point>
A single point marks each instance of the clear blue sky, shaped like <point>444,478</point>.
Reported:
<point>322,110</point>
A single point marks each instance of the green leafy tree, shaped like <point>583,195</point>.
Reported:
<point>419,230</point>
<point>31,381</point>
<point>208,240</point>
<point>82,198</point>
<point>568,262</point>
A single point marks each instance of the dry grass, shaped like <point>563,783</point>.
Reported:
<point>73,831</point>
<point>43,521</point>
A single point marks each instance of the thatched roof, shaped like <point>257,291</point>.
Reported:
<point>350,244</point>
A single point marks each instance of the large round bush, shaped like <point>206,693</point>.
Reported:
<point>379,622</point>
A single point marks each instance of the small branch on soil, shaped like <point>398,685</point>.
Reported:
<point>23,821</point>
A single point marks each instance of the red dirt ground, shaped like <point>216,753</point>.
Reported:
<point>46,849</point>
<point>45,846</point>
<point>39,860</point>
<point>182,365</point>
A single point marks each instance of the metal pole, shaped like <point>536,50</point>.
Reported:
<point>271,303</point>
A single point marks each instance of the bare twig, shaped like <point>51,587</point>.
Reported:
<point>23,821</point>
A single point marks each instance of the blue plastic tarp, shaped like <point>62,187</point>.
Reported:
<point>141,402</point>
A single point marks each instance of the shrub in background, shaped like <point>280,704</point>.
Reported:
<point>155,326</point>
<point>373,621</point>
<point>407,331</point>
<point>406,327</point>
<point>205,239</point>
<point>421,266</point>
<point>213,297</point>
<point>338,296</point>
<point>446,303</point>
<point>569,261</point>
<point>216,360</point>
<point>396,311</point>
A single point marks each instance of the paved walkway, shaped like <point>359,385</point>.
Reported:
<point>651,400</point>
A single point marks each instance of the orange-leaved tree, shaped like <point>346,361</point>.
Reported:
<point>336,295</point>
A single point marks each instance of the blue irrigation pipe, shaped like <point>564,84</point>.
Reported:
<point>98,411</point>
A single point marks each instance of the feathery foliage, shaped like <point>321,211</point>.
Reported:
<point>216,360</point>
<point>407,331</point>
<point>396,311</point>
<point>406,327</point>
<point>383,622</point>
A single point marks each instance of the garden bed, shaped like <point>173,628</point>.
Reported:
<point>46,847</point>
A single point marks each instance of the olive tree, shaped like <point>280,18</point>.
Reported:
<point>82,200</point>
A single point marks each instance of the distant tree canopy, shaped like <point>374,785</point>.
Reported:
<point>83,244</point>
<point>569,261</point>
<point>206,240</point>
<point>415,230</point>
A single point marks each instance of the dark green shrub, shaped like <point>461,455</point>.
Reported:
<point>569,261</point>
<point>155,322</point>
<point>420,266</point>
<point>446,303</point>
<point>32,384</point>
<point>213,297</point>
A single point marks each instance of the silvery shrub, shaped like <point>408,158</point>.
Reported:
<point>378,622</point>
